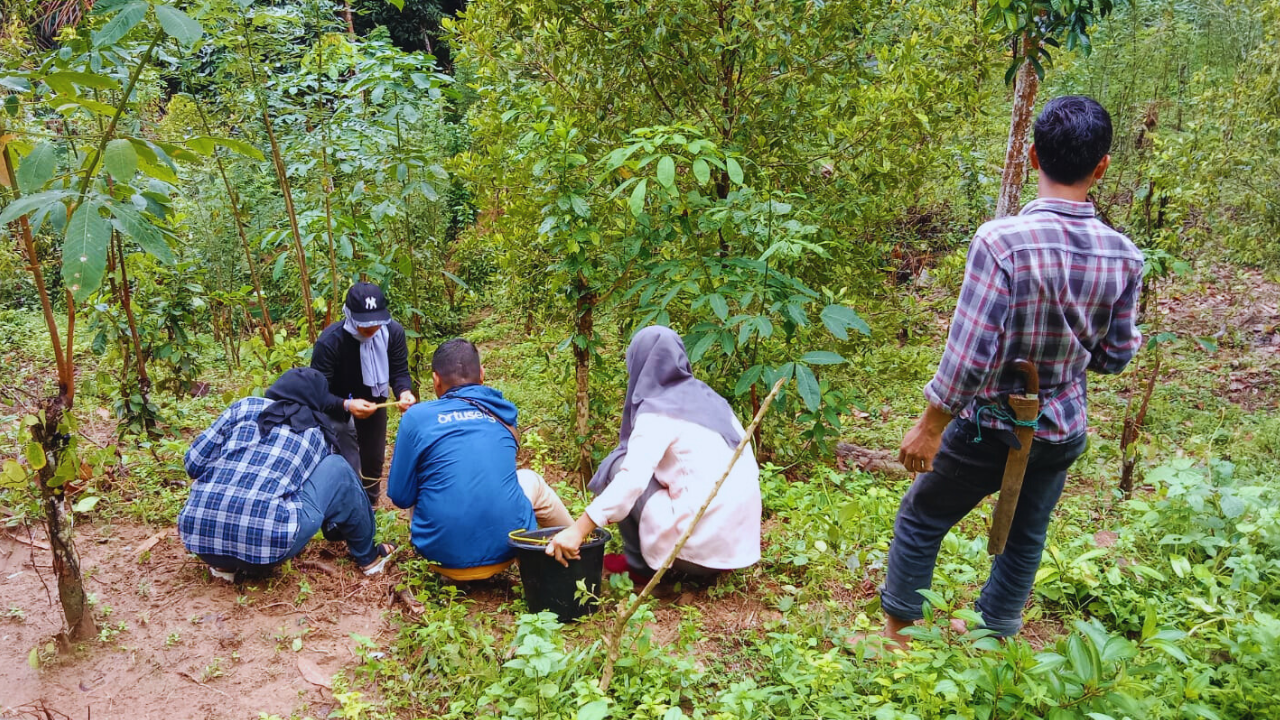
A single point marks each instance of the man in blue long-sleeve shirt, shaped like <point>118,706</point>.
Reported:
<point>455,465</point>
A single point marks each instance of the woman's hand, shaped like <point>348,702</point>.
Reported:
<point>564,546</point>
<point>361,409</point>
<point>406,400</point>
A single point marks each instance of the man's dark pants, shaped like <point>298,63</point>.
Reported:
<point>330,501</point>
<point>965,472</point>
<point>363,444</point>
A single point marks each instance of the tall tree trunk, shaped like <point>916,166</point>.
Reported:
<point>126,299</point>
<point>1015,158</point>
<point>346,14</point>
<point>269,332</point>
<point>326,190</point>
<point>66,567</point>
<point>583,331</point>
<point>282,175</point>
<point>66,564</point>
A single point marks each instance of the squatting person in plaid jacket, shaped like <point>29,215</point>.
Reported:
<point>264,481</point>
<point>1053,285</point>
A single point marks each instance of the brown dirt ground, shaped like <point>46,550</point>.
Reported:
<point>199,648</point>
<point>191,648</point>
<point>1239,308</point>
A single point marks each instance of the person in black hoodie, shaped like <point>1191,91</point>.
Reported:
<point>364,357</point>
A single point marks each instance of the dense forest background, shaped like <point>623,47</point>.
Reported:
<point>190,187</point>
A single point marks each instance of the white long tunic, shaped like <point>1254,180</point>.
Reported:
<point>687,459</point>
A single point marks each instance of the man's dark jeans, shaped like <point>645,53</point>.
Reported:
<point>964,473</point>
<point>331,500</point>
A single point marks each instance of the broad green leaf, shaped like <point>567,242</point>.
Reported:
<point>398,4</point>
<point>747,379</point>
<point>15,83</point>
<point>700,348</point>
<point>62,102</point>
<point>822,357</point>
<point>202,145</point>
<point>178,25</point>
<point>839,319</point>
<point>159,170</point>
<point>667,172</point>
<point>674,713</point>
<point>701,171</point>
<point>240,147</point>
<point>732,167</point>
<point>278,269</point>
<point>30,203</point>
<point>67,80</point>
<point>120,25</point>
<point>84,252</point>
<point>637,197</point>
<point>85,504</point>
<point>13,475</point>
<point>35,455</point>
<point>132,224</point>
<point>595,710</point>
<point>461,283</point>
<point>719,306</point>
<point>808,386</point>
<point>37,168</point>
<point>121,160</point>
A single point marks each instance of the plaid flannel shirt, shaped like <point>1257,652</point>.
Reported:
<point>1055,286</point>
<point>242,502</point>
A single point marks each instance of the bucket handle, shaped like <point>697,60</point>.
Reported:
<point>526,539</point>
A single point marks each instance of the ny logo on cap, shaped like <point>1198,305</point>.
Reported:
<point>371,303</point>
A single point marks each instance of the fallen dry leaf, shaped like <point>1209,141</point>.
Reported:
<point>312,673</point>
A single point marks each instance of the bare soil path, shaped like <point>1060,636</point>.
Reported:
<point>175,643</point>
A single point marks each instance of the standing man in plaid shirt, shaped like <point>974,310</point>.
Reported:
<point>1055,286</point>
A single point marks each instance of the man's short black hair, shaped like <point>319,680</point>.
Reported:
<point>457,362</point>
<point>1072,135</point>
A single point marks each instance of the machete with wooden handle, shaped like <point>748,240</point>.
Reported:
<point>1026,409</point>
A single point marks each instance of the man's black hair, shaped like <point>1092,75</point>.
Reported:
<point>1072,135</point>
<point>457,362</point>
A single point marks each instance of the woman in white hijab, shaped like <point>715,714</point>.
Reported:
<point>364,357</point>
<point>676,440</point>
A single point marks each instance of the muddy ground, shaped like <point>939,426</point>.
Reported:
<point>175,642</point>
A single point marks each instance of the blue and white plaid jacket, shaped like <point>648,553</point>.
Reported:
<point>244,486</point>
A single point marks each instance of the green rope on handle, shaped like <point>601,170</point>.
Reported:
<point>1001,414</point>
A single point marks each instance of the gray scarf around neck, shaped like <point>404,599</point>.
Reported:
<point>374,365</point>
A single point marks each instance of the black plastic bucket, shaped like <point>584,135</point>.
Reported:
<point>548,585</point>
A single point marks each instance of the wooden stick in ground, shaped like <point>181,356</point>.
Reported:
<point>613,641</point>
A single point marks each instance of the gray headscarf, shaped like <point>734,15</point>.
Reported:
<point>374,365</point>
<point>660,381</point>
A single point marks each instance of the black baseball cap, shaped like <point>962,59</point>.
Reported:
<point>366,304</point>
